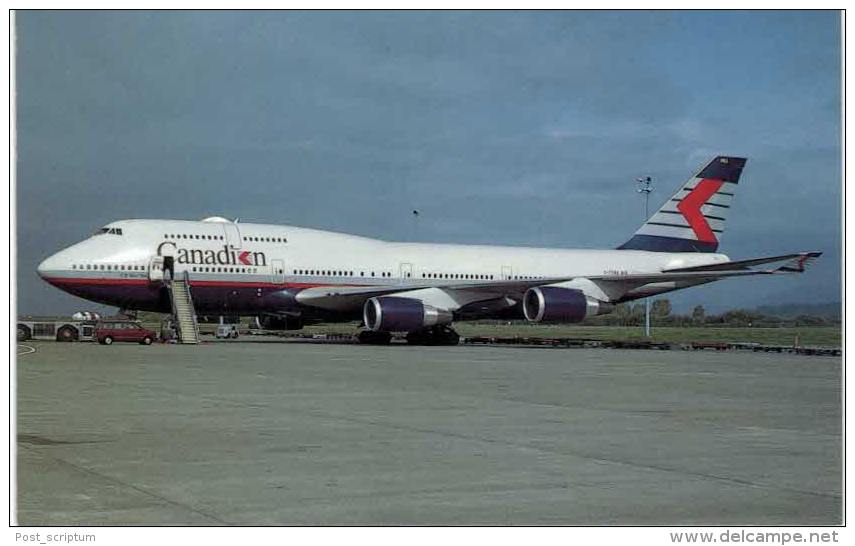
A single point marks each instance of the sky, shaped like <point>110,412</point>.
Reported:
<point>520,128</point>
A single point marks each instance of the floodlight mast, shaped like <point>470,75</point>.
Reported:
<point>645,186</point>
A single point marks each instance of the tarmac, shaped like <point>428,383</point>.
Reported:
<point>248,433</point>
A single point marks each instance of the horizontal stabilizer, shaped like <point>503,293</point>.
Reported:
<point>796,263</point>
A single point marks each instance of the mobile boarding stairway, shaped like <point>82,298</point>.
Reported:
<point>183,310</point>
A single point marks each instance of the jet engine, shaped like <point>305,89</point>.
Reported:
<point>396,314</point>
<point>555,304</point>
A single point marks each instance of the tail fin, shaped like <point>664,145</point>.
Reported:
<point>694,218</point>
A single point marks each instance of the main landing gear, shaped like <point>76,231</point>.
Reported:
<point>367,337</point>
<point>435,335</point>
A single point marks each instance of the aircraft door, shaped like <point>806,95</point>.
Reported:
<point>406,272</point>
<point>232,234</point>
<point>162,266</point>
<point>168,268</point>
<point>155,269</point>
<point>507,272</point>
<point>277,271</point>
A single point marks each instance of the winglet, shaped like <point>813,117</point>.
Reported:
<point>799,264</point>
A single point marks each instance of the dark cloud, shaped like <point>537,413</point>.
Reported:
<point>501,127</point>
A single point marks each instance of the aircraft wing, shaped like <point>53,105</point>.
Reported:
<point>792,263</point>
<point>342,298</point>
<point>350,297</point>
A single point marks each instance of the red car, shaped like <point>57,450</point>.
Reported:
<point>109,331</point>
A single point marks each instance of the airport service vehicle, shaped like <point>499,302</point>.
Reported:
<point>58,330</point>
<point>290,276</point>
<point>227,331</point>
<point>108,332</point>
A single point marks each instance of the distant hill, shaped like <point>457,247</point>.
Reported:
<point>790,310</point>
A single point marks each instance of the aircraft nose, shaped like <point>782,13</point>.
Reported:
<point>49,264</point>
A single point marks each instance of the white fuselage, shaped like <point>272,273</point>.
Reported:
<point>232,266</point>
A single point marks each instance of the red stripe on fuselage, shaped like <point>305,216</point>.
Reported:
<point>89,282</point>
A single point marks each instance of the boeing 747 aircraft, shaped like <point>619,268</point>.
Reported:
<point>291,276</point>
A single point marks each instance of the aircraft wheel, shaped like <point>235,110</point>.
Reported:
<point>420,337</point>
<point>450,337</point>
<point>367,337</point>
<point>438,335</point>
<point>445,335</point>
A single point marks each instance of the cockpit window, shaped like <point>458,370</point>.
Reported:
<point>112,231</point>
